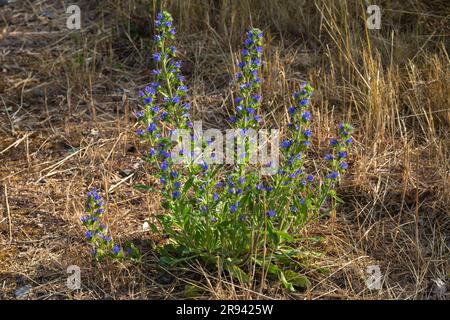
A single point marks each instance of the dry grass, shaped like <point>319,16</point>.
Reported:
<point>66,124</point>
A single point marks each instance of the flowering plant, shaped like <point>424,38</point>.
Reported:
<point>231,214</point>
<point>97,234</point>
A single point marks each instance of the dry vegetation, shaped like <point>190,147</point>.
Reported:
<point>66,124</point>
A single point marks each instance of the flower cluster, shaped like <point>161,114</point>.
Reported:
<point>164,110</point>
<point>249,100</point>
<point>169,82</point>
<point>298,140</point>
<point>97,233</point>
<point>337,160</point>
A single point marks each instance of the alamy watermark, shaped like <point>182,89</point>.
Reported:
<point>241,146</point>
<point>373,281</point>
<point>373,22</point>
<point>74,280</point>
<point>73,22</point>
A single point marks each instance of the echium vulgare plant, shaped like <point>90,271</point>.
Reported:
<point>232,215</point>
<point>102,243</point>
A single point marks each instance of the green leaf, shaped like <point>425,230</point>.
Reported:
<point>288,285</point>
<point>143,187</point>
<point>169,261</point>
<point>191,291</point>
<point>238,273</point>
<point>271,268</point>
<point>188,184</point>
<point>296,279</point>
<point>153,227</point>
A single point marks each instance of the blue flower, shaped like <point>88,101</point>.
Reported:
<point>344,165</point>
<point>310,178</point>
<point>139,114</point>
<point>156,57</point>
<point>204,165</point>
<point>233,208</point>
<point>270,213</point>
<point>333,142</point>
<point>342,155</point>
<point>286,144</point>
<point>152,127</point>
<point>176,194</point>
<point>164,153</point>
<point>306,116</point>
<point>304,102</point>
<point>164,115</point>
<point>307,133</point>
<point>164,165</point>
<point>89,235</point>
<point>292,110</point>
<point>333,175</point>
<point>116,249</point>
<point>215,197</point>
<point>329,157</point>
